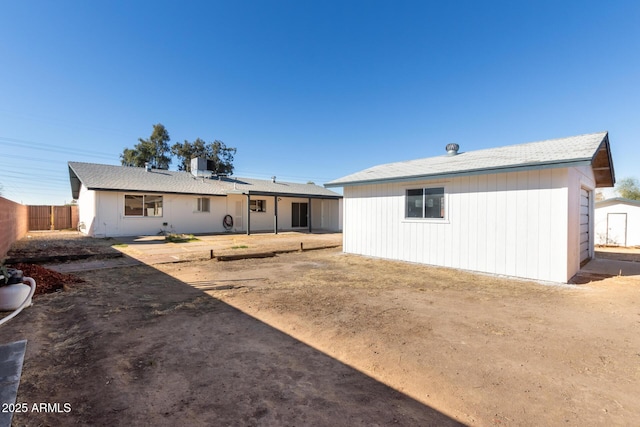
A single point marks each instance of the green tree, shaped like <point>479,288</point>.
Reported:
<point>154,150</point>
<point>186,151</point>
<point>129,157</point>
<point>628,188</point>
<point>216,151</point>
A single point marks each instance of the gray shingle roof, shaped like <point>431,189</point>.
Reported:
<point>123,178</point>
<point>563,152</point>
<point>617,200</point>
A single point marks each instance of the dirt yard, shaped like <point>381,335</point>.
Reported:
<point>324,338</point>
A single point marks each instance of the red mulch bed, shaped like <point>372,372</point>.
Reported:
<point>47,281</point>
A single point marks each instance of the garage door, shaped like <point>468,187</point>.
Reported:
<point>585,217</point>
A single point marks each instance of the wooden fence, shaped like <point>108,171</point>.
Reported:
<point>53,217</point>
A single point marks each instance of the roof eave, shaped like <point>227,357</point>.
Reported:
<point>76,184</point>
<point>425,177</point>
<point>280,194</point>
<point>124,190</point>
<point>602,164</point>
<point>236,192</point>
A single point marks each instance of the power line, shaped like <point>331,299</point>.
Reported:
<point>64,123</point>
<point>46,177</point>
<point>52,147</point>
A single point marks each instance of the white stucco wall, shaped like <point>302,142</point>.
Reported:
<point>514,224</point>
<point>103,214</point>
<point>624,231</point>
<point>86,210</point>
<point>179,212</point>
<point>284,213</point>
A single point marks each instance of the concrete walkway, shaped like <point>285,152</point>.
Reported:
<point>609,263</point>
<point>611,267</point>
<point>11,359</point>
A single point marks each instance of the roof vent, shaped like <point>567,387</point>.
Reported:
<point>273,178</point>
<point>452,149</point>
<point>147,166</point>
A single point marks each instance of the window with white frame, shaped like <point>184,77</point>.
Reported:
<point>258,205</point>
<point>203,204</point>
<point>425,203</point>
<point>142,205</point>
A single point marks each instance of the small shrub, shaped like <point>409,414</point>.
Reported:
<point>179,238</point>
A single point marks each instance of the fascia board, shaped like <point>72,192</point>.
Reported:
<point>506,169</point>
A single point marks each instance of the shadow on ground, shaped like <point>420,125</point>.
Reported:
<point>134,345</point>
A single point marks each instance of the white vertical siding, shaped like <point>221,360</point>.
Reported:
<point>491,235</point>
<point>499,226</point>
<point>460,203</point>
<point>471,236</point>
<point>521,214</point>
<point>511,221</point>
<point>533,224</point>
<point>329,219</point>
<point>511,224</point>
<point>330,215</point>
<point>559,215</point>
<point>481,215</point>
<point>545,219</point>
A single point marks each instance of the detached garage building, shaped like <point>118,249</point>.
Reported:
<point>522,210</point>
<point>618,222</point>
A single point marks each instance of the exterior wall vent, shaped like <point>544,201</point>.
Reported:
<point>452,149</point>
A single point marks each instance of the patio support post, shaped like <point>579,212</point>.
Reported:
<point>309,214</point>
<point>275,214</point>
<point>248,214</point>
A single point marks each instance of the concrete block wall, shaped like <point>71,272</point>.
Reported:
<point>13,224</point>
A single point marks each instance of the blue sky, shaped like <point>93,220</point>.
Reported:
<point>308,90</point>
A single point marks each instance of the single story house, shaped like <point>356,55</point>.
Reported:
<point>521,210</point>
<point>132,201</point>
<point>618,222</point>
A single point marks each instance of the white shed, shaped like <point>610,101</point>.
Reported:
<point>522,210</point>
<point>618,222</point>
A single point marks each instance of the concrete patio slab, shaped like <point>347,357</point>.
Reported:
<point>11,359</point>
